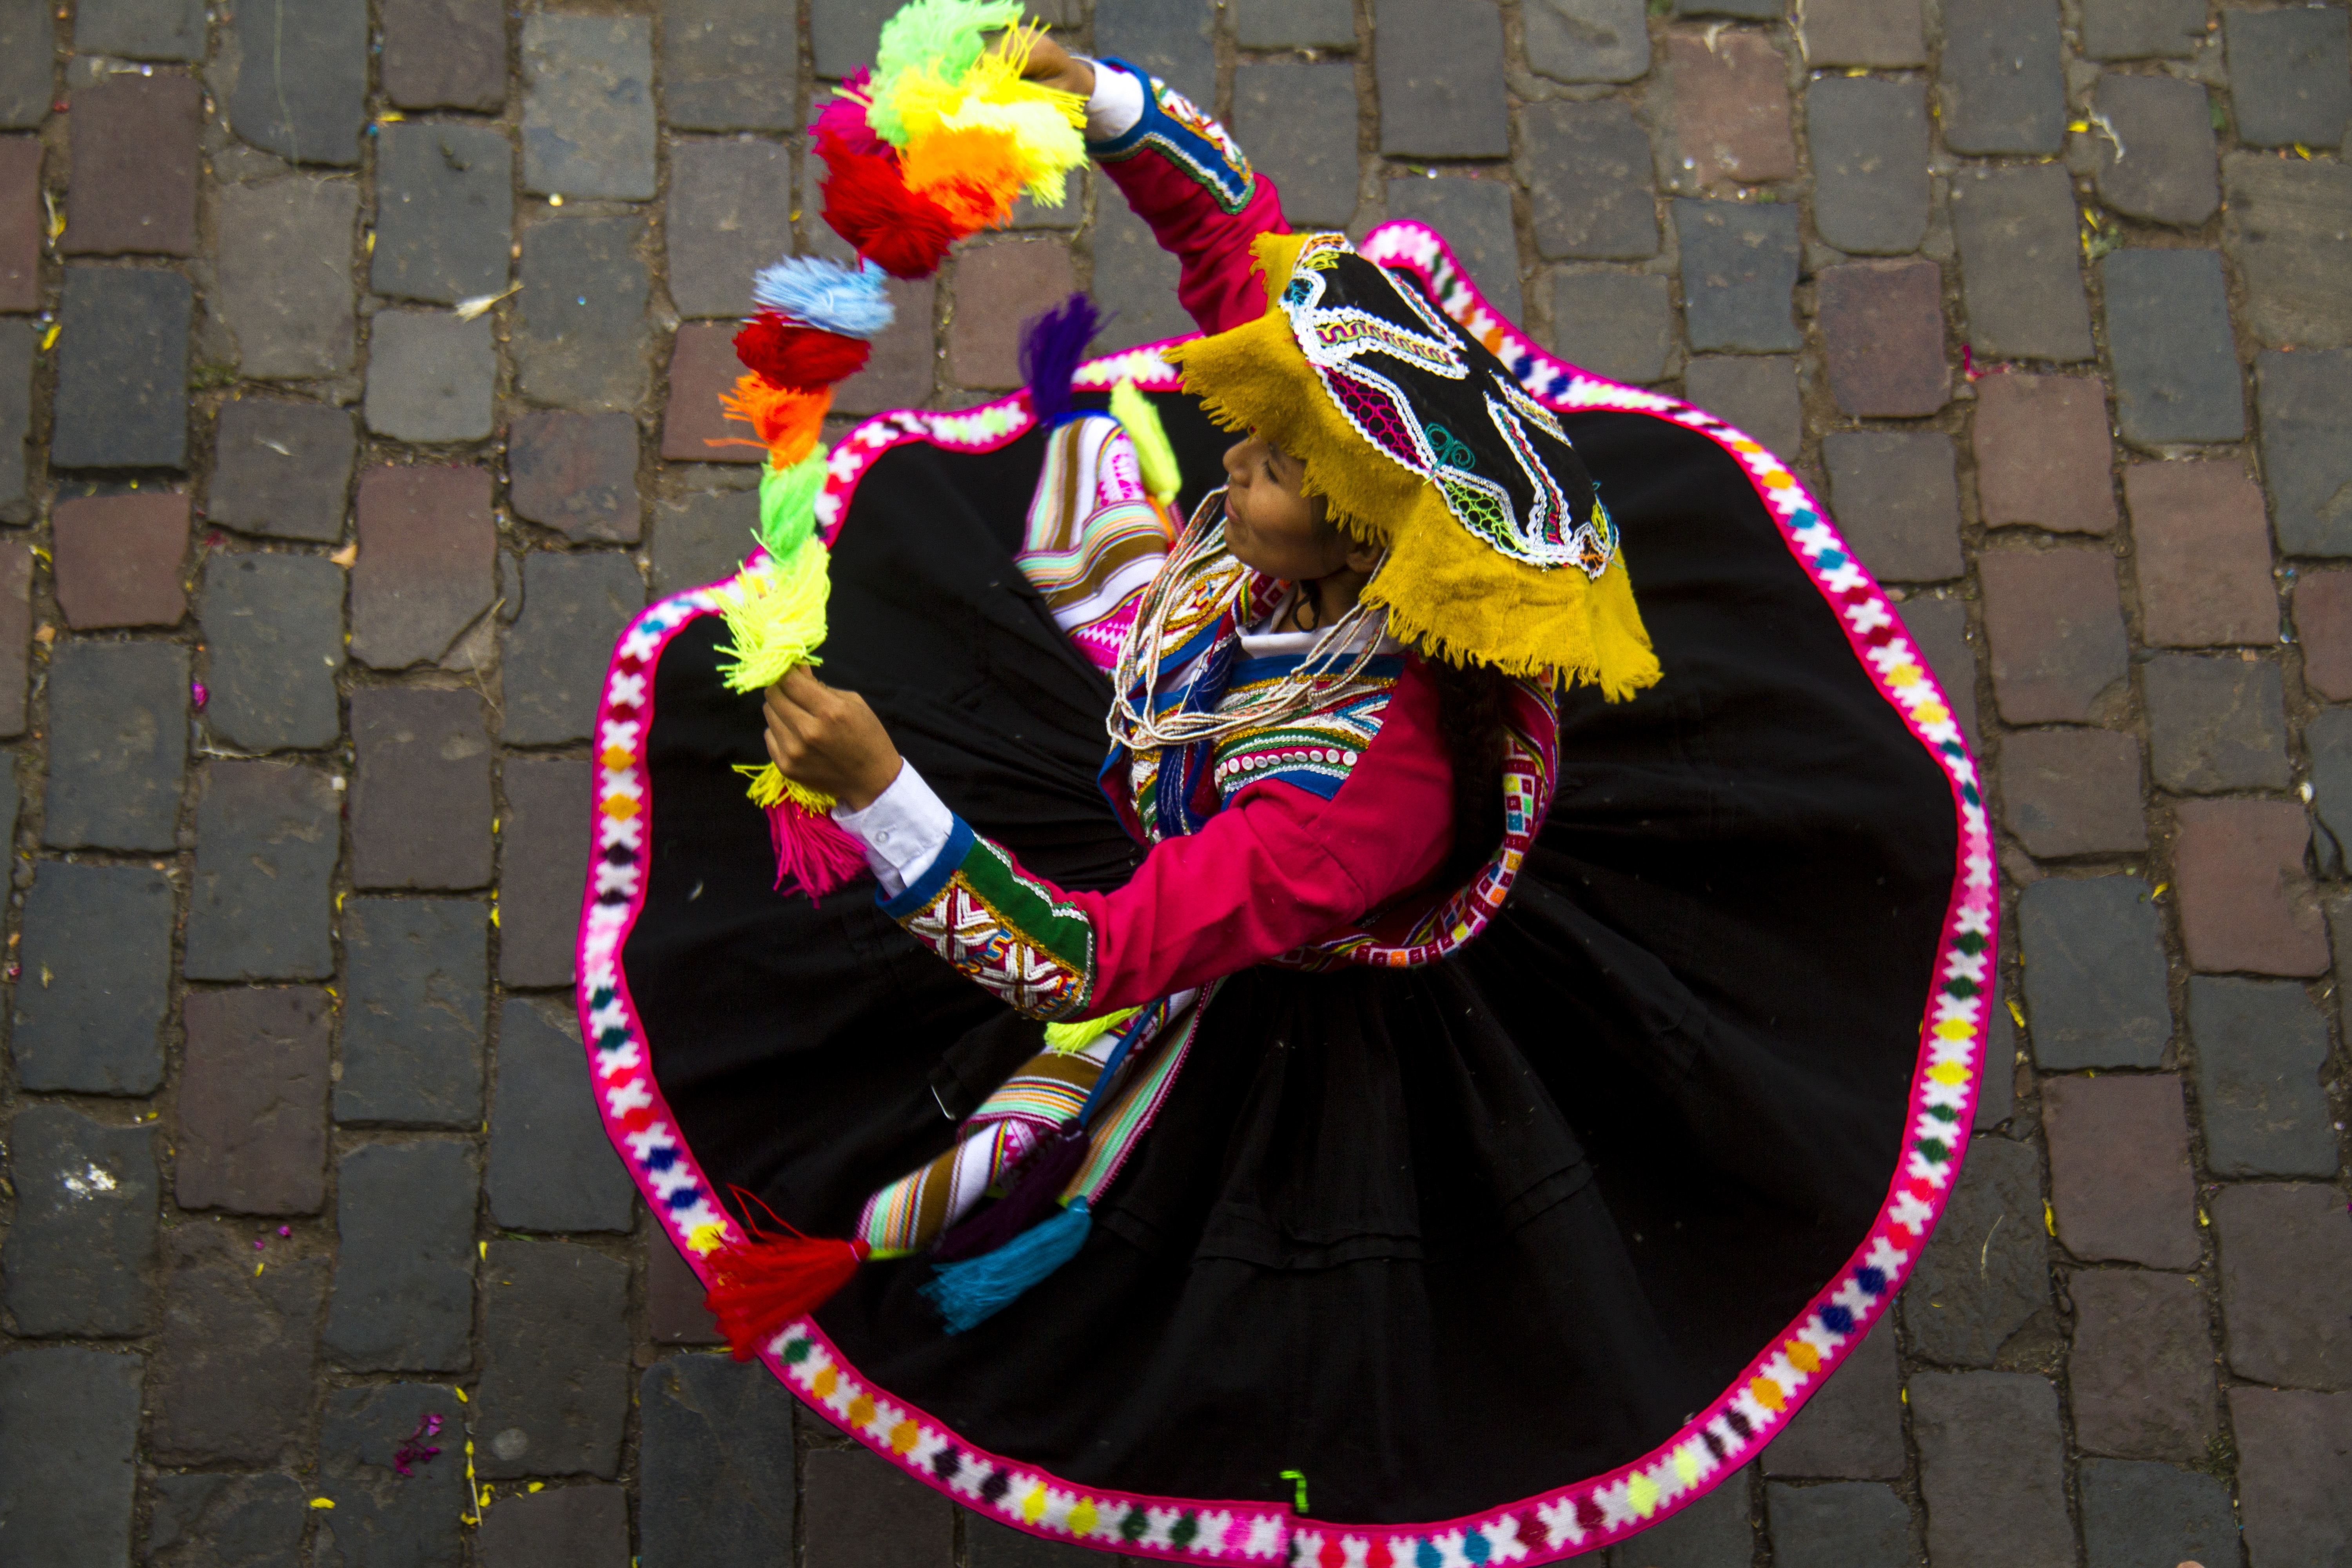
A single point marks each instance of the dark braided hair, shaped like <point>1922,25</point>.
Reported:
<point>1472,705</point>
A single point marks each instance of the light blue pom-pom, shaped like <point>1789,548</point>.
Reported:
<point>970,1292</point>
<point>826,294</point>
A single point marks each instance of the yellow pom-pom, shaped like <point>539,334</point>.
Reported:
<point>770,787</point>
<point>775,618</point>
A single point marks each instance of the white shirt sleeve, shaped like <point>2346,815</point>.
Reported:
<point>1115,106</point>
<point>903,829</point>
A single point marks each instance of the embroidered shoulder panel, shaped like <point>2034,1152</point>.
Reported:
<point>1313,752</point>
<point>1014,935</point>
<point>1197,143</point>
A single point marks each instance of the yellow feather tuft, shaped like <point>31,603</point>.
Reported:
<point>1070,1039</point>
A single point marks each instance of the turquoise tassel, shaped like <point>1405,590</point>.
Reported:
<point>970,1292</point>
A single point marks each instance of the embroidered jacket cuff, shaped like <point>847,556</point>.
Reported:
<point>903,829</point>
<point>927,884</point>
<point>1116,105</point>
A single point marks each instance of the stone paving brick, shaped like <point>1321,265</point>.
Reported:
<point>574,607</point>
<point>79,1248</point>
<point>1000,285</point>
<point>16,631</point>
<point>2139,1377</point>
<point>2019,264</point>
<point>118,559</point>
<point>253,1102</point>
<point>17,351</point>
<point>97,959</point>
<point>230,1383</point>
<point>301,91</point>
<point>2055,618</point>
<point>568,1527</point>
<point>2327,741</point>
<point>2121,1183</point>
<point>284,294</point>
<point>2245,902</point>
<point>227,1522</point>
<point>140,29</point>
<point>844,34</point>
<point>2287,1283</point>
<point>703,536</point>
<point>282,470</point>
<point>2135,1511</point>
<point>2306,413</point>
<point>674,1312</point>
<point>2291,75</point>
<point>1590,180</point>
<point>444,211</point>
<point>2216,724</point>
<point>268,836</point>
<point>580,338</point>
<point>1863,33</point>
<point>1731,110</point>
<point>1985,1272</point>
<point>404,1297</point>
<point>424,570</point>
<point>711,1430</point>
<point>543,865</point>
<point>1992,1469</point>
<point>2285,233</point>
<point>1882,333</point>
<point>1475,216</point>
<point>1897,501</point>
<point>555,1346</point>
<point>728,66</point>
<point>412,1043</point>
<point>2202,554</point>
<point>1169,38</point>
<point>863,1513</point>
<point>2176,367</point>
<point>2167,127</point>
<point>588,106</point>
<point>1620,325</point>
<point>2001,82</point>
<point>1135,281</point>
<point>1439,67</point>
<point>27,62</point>
<point>431,376</point>
<point>899,371</point>
<point>445,54</point>
<point>122,370</point>
<point>1851,1427</point>
<point>20,223</point>
<point>987,1544</point>
<point>1869,144</point>
<point>2073,792</point>
<point>2293,1483</point>
<point>1299,120</point>
<point>2262,1048</point>
<point>1739,268</point>
<point>420,812</point>
<point>1855,1524</point>
<point>2142,29</point>
<point>379,1515</point>
<point>552,1167</point>
<point>1746,10</point>
<point>135,167</point>
<point>1295,24</point>
<point>729,214</point>
<point>117,745</point>
<point>2322,625</point>
<point>576,473</point>
<point>703,365</point>
<point>1754,395</point>
<point>69,1438</point>
<point>274,627</point>
<point>1997,1092</point>
<point>1715,1532</point>
<point>1586,40</point>
<point>2094,972</point>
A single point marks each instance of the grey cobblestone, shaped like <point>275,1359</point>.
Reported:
<point>581,336</point>
<point>2306,414</point>
<point>2094,973</point>
<point>2136,1511</point>
<point>1992,1461</point>
<point>2176,376</point>
<point>1984,1272</point>
<point>2002,80</point>
<point>1440,68</point>
<point>123,371</point>
<point>413,1023</point>
<point>140,29</point>
<point>98,945</point>
<point>588,108</point>
<point>69,1430</point>
<point>227,1522</point>
<point>713,1428</point>
<point>726,65</point>
<point>80,1256</point>
<point>445,210</point>
<point>1589,184</point>
<point>2293,68</point>
<point>2260,1045</point>
<point>1869,139</point>
<point>404,1297</point>
<point>2018,264</point>
<point>555,1350</point>
<point>1587,40</point>
<point>1304,117</point>
<point>274,627</point>
<point>231,1378</point>
<point>282,470</point>
<point>118,749</point>
<point>2283,232</point>
<point>729,214</point>
<point>285,293</point>
<point>268,837</point>
<point>379,1515</point>
<point>550,1166</point>
<point>1739,268</point>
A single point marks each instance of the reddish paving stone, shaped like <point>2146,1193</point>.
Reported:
<point>2120,1179</point>
<point>2202,548</point>
<point>2043,454</point>
<point>2287,1283</point>
<point>119,557</point>
<point>16,632</point>
<point>2246,902</point>
<point>253,1100</point>
<point>135,167</point>
<point>675,1314</point>
<point>2073,792</point>
<point>2323,624</point>
<point>544,840</point>
<point>2140,1373</point>
<point>898,374</point>
<point>701,366</point>
<point>999,287</point>
<point>2056,622</point>
<point>1883,325</point>
<point>20,223</point>
<point>576,472</point>
<point>1863,33</point>
<point>421,808</point>
<point>2294,1474</point>
<point>445,54</point>
<point>425,572</point>
<point>1731,108</point>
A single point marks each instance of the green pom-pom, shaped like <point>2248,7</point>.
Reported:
<point>788,504</point>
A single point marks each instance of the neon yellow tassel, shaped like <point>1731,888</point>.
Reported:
<point>1154,453</point>
<point>775,618</point>
<point>788,504</point>
<point>770,787</point>
<point>1068,1039</point>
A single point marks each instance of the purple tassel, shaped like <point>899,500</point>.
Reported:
<point>1037,1184</point>
<point>1052,344</point>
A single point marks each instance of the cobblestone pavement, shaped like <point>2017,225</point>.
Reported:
<point>355,375</point>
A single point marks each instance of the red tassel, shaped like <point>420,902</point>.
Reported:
<point>812,850</point>
<point>799,358</point>
<point>762,1282</point>
<point>868,203</point>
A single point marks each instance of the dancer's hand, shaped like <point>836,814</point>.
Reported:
<point>829,741</point>
<point>1050,65</point>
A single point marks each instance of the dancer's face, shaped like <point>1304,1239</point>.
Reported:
<point>1270,524</point>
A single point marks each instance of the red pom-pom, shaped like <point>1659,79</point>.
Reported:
<point>868,203</point>
<point>762,1282</point>
<point>786,353</point>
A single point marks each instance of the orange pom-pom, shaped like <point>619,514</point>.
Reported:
<point>785,418</point>
<point>904,232</point>
<point>974,172</point>
<point>788,353</point>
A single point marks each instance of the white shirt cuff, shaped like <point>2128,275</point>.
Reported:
<point>1115,106</point>
<point>903,829</point>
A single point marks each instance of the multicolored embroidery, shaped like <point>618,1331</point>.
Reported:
<point>979,910</point>
<point>1197,143</point>
<point>1314,751</point>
